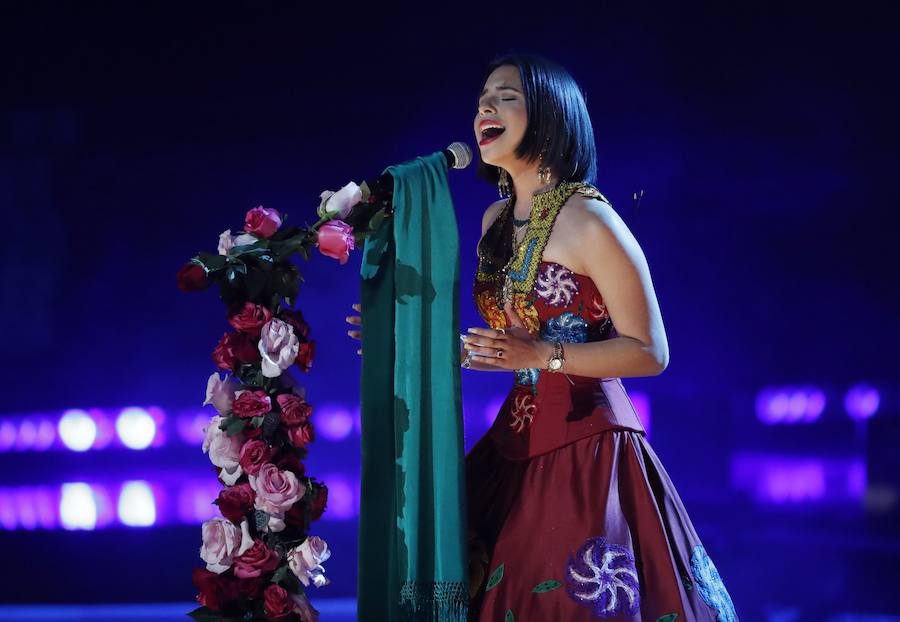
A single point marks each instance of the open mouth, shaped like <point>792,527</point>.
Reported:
<point>490,133</point>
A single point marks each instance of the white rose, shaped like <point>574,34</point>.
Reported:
<point>338,204</point>
<point>221,541</point>
<point>278,346</point>
<point>224,451</point>
<point>220,393</point>
<point>306,560</point>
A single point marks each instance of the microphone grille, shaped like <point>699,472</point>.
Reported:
<point>462,154</point>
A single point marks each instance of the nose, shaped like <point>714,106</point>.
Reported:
<point>486,106</point>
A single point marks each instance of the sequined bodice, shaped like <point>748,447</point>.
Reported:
<point>545,410</point>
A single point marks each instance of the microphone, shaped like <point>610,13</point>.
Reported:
<point>381,188</point>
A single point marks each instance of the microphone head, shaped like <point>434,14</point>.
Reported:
<point>462,154</point>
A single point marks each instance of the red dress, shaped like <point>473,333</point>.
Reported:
<point>571,515</point>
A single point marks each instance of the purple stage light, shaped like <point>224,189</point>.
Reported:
<point>136,427</point>
<point>641,402</point>
<point>7,510</point>
<point>861,402</point>
<point>7,435</point>
<point>27,435</point>
<point>334,422</point>
<point>195,501</point>
<point>137,504</point>
<point>787,479</point>
<point>78,506</point>
<point>46,434</point>
<point>343,500</point>
<point>77,430</point>
<point>190,425</point>
<point>790,405</point>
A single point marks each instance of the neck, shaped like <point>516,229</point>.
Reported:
<point>526,184</point>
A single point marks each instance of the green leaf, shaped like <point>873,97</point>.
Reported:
<point>235,425</point>
<point>509,616</point>
<point>279,574</point>
<point>257,421</point>
<point>204,614</point>
<point>546,586</point>
<point>211,262</point>
<point>495,578</point>
<point>669,617</point>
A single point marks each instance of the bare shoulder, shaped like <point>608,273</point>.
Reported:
<point>594,221</point>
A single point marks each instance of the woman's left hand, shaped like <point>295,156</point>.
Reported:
<point>513,348</point>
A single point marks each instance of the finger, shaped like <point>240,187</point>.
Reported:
<point>359,351</point>
<point>481,350</point>
<point>471,341</point>
<point>514,318</point>
<point>354,319</point>
<point>356,334</point>
<point>357,306</point>
<point>487,332</point>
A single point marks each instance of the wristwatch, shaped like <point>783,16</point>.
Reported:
<point>556,360</point>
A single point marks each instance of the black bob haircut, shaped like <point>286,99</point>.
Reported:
<point>558,120</point>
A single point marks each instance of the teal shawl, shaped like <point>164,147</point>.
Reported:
<point>412,556</point>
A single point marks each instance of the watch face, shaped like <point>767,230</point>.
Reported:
<point>555,364</point>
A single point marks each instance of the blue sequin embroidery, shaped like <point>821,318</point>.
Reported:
<point>710,586</point>
<point>565,328</point>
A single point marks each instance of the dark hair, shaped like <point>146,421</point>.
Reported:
<point>558,120</point>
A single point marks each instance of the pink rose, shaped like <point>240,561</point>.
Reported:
<point>276,491</point>
<point>294,409</point>
<point>254,454</point>
<point>277,603</point>
<point>222,541</point>
<point>251,404</point>
<point>304,608</point>
<point>278,346</point>
<point>338,204</point>
<point>224,451</point>
<point>255,561</point>
<point>220,393</point>
<point>335,240</point>
<point>306,561</point>
<point>250,318</point>
<point>262,222</point>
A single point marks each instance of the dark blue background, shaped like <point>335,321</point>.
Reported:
<point>764,139</point>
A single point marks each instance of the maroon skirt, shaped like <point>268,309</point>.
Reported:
<point>592,529</point>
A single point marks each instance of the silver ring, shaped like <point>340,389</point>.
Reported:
<point>499,353</point>
<point>467,363</point>
<point>502,331</point>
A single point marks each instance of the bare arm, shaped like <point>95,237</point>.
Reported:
<point>616,264</point>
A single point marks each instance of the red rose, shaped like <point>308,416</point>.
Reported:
<point>319,502</point>
<point>216,590</point>
<point>254,454</point>
<point>277,602</point>
<point>251,588</point>
<point>191,278</point>
<point>255,561</point>
<point>251,433</point>
<point>262,221</point>
<point>233,349</point>
<point>294,409</point>
<point>251,404</point>
<point>295,318</point>
<point>305,355</point>
<point>249,318</point>
<point>301,435</point>
<point>236,502</point>
<point>291,462</point>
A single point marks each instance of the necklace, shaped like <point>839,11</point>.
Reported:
<point>507,289</point>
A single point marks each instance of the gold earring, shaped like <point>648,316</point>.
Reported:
<point>543,172</point>
<point>503,183</point>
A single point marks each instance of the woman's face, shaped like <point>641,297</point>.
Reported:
<point>502,107</point>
